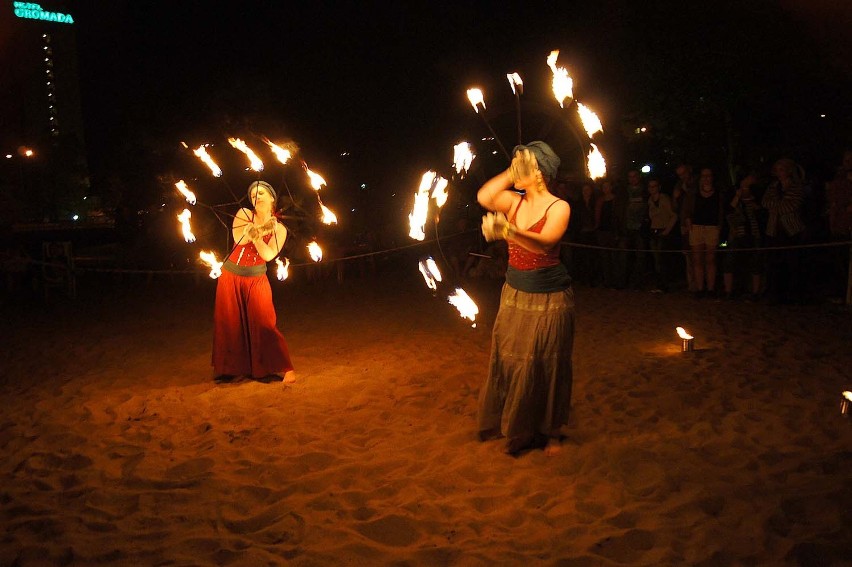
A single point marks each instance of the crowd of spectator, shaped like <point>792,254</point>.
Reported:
<point>716,240</point>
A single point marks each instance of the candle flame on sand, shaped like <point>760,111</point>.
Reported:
<point>591,122</point>
<point>515,81</point>
<point>209,258</point>
<point>315,251</point>
<point>681,332</point>
<point>462,157</point>
<point>563,84</point>
<point>476,98</point>
<point>188,195</point>
<point>596,163</point>
<point>282,273</point>
<point>184,225</point>
<point>202,154</point>
<point>467,308</point>
<point>430,272</point>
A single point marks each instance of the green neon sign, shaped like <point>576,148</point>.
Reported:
<point>32,11</point>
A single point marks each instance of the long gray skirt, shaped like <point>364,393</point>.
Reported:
<point>528,390</point>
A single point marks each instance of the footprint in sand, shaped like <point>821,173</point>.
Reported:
<point>626,548</point>
<point>393,530</point>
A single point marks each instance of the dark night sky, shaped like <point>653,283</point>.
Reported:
<point>373,78</point>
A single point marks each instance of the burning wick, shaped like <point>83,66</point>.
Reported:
<point>188,195</point>
<point>686,340</point>
<point>439,192</point>
<point>316,180</point>
<point>282,272</point>
<point>282,154</point>
<point>596,163</point>
<point>467,308</point>
<point>563,84</point>
<point>184,225</point>
<point>430,272</point>
<point>328,217</point>
<point>202,154</point>
<point>846,403</point>
<point>254,161</point>
<point>476,98</point>
<point>215,266</point>
<point>417,217</point>
<point>462,157</point>
<point>516,83</point>
<point>591,123</point>
<point>315,251</point>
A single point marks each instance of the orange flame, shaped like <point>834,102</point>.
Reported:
<point>465,305</point>
<point>681,332</point>
<point>439,192</point>
<point>283,154</point>
<point>563,84</point>
<point>188,195</point>
<point>462,157</point>
<point>315,251</point>
<point>430,272</point>
<point>596,163</point>
<point>591,122</point>
<point>476,98</point>
<point>282,273</point>
<point>184,225</point>
<point>515,82</point>
<point>417,218</point>
<point>254,162</point>
<point>328,217</point>
<point>209,258</point>
<point>202,154</point>
<point>316,180</point>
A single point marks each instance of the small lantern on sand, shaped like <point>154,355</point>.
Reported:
<point>687,340</point>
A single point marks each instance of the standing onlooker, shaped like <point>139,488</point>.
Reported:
<point>839,204</point>
<point>703,216</point>
<point>634,239</point>
<point>743,236</point>
<point>783,200</point>
<point>663,220</point>
<point>607,222</point>
<point>685,185</point>
<point>587,271</point>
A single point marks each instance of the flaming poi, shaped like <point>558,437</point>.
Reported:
<point>201,152</point>
<point>596,163</point>
<point>591,123</point>
<point>516,83</point>
<point>563,84</point>
<point>315,251</point>
<point>209,258</point>
<point>462,157</point>
<point>430,272</point>
<point>465,305</point>
<point>476,98</point>
<point>420,212</point>
<point>282,271</point>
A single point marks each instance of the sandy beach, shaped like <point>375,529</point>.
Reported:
<point>119,448</point>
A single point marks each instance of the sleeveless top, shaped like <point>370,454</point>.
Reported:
<point>522,259</point>
<point>245,259</point>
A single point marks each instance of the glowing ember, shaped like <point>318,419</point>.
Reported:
<point>439,193</point>
<point>417,218</point>
<point>467,308</point>
<point>188,195</point>
<point>596,163</point>
<point>282,272</point>
<point>328,217</point>
<point>316,180</point>
<point>516,83</point>
<point>254,161</point>
<point>462,157</point>
<point>563,84</point>
<point>430,272</point>
<point>283,154</point>
<point>591,122</point>
<point>476,98</point>
<point>209,258</point>
<point>184,225</point>
<point>681,332</point>
<point>315,251</point>
<point>202,154</point>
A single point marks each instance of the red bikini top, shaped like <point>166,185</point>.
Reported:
<point>522,259</point>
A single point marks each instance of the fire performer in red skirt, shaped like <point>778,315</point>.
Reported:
<point>246,340</point>
<point>527,395</point>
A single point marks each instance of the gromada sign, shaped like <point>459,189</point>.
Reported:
<point>32,11</point>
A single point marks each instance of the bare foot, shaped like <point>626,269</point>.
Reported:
<point>553,447</point>
<point>289,377</point>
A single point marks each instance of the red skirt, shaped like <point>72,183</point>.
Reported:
<point>246,340</point>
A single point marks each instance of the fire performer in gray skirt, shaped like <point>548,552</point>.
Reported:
<point>527,395</point>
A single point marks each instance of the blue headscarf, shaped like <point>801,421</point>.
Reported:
<point>548,161</point>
